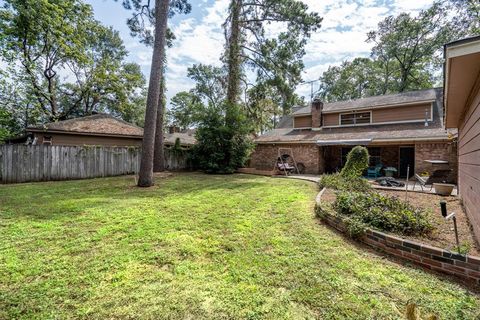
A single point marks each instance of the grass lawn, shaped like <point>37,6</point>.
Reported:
<point>196,246</point>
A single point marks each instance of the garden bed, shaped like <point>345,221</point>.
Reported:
<point>442,235</point>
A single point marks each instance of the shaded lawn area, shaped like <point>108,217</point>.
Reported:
<point>196,246</point>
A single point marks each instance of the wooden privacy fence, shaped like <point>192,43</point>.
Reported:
<point>21,163</point>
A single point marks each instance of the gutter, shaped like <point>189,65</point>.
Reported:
<point>363,141</point>
<point>349,142</point>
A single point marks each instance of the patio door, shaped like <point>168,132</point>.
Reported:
<point>407,159</point>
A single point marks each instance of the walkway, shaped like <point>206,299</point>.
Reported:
<point>412,187</point>
<point>307,177</point>
<point>411,184</point>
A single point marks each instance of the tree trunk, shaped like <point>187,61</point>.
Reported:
<point>233,56</point>
<point>145,175</point>
<point>159,157</point>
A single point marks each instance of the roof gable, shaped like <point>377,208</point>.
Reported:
<point>461,78</point>
<point>103,124</point>
<point>397,99</point>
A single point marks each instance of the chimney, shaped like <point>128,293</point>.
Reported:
<point>173,129</point>
<point>317,107</point>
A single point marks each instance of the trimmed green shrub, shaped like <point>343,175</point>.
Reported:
<point>338,182</point>
<point>222,148</point>
<point>357,162</point>
<point>382,212</point>
<point>355,227</point>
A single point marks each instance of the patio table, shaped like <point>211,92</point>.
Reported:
<point>389,171</point>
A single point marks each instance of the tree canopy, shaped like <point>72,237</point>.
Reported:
<point>275,55</point>
<point>189,107</point>
<point>65,63</point>
<point>406,55</point>
<point>143,18</point>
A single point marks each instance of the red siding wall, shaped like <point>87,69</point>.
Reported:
<point>469,162</point>
<point>387,115</point>
<point>59,139</point>
<point>302,122</point>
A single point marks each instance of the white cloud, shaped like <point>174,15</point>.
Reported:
<point>198,41</point>
<point>411,5</point>
<point>344,30</point>
<point>200,38</point>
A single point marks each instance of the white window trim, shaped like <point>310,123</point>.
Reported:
<point>353,125</point>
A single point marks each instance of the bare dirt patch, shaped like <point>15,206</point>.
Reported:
<point>443,235</point>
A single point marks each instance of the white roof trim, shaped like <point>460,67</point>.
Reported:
<point>343,142</point>
<point>462,49</point>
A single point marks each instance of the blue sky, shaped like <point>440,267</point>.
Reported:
<point>200,38</point>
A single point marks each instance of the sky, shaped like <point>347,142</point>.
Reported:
<point>200,39</point>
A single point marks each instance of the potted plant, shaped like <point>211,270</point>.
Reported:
<point>444,189</point>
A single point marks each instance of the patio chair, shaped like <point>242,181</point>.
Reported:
<point>284,166</point>
<point>423,181</point>
<point>374,172</point>
<point>438,176</point>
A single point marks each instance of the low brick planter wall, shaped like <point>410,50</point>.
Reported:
<point>462,266</point>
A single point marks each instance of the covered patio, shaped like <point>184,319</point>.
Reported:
<point>385,159</point>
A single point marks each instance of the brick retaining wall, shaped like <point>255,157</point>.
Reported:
<point>462,266</point>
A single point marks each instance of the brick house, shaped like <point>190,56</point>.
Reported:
<point>399,130</point>
<point>462,111</point>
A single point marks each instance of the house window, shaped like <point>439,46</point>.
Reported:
<point>47,140</point>
<point>355,118</point>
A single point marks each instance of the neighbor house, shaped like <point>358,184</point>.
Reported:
<point>403,131</point>
<point>98,129</point>
<point>462,111</point>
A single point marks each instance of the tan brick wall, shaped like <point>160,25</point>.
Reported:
<point>328,159</point>
<point>265,156</point>
<point>436,151</point>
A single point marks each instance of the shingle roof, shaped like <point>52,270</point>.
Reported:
<point>378,101</point>
<point>285,122</point>
<point>397,132</point>
<point>408,131</point>
<point>104,124</point>
<point>186,138</point>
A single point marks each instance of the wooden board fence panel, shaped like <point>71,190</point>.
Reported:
<point>21,163</point>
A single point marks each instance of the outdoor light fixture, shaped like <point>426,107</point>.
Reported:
<point>443,208</point>
<point>426,117</point>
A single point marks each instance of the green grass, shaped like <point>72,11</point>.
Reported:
<point>196,246</point>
